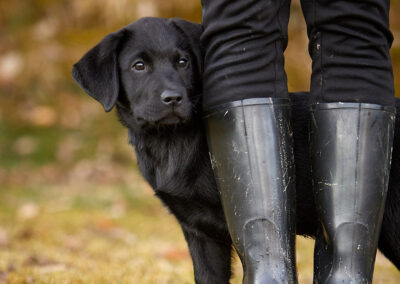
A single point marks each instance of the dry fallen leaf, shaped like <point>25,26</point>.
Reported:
<point>11,65</point>
<point>176,254</point>
<point>37,260</point>
<point>4,240</point>
<point>27,211</point>
<point>3,277</point>
<point>52,268</point>
<point>24,145</point>
<point>40,116</point>
<point>73,243</point>
<point>25,234</point>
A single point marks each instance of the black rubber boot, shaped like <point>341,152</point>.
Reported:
<point>351,153</point>
<point>251,151</point>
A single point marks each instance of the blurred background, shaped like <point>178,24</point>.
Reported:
<point>73,207</point>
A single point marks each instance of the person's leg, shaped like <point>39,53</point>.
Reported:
<point>248,128</point>
<point>351,132</point>
<point>349,46</point>
<point>244,42</point>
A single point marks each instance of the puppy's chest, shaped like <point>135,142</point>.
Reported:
<point>167,168</point>
<point>166,164</point>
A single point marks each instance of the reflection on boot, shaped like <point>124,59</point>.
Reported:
<point>265,260</point>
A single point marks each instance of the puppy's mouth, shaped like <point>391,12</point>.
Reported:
<point>172,118</point>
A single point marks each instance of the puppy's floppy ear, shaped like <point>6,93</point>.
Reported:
<point>97,71</point>
<point>192,32</point>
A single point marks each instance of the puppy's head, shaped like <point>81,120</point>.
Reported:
<point>150,69</point>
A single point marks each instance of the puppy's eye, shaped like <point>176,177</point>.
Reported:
<point>138,66</point>
<point>182,62</point>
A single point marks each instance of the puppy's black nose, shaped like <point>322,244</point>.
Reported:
<point>171,97</point>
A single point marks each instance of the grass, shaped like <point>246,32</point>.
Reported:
<point>106,234</point>
<point>96,235</point>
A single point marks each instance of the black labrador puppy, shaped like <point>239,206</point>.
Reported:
<point>151,70</point>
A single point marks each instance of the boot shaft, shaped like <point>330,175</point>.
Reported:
<point>351,153</point>
<point>250,145</point>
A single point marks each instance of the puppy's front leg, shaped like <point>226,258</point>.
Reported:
<point>211,259</point>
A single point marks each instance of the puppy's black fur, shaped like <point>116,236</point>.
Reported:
<point>151,71</point>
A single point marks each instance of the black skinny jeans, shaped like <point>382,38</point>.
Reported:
<point>349,45</point>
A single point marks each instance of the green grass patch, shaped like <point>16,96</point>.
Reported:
<point>106,234</point>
